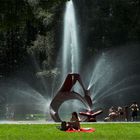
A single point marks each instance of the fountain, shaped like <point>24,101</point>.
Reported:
<point>111,79</point>
<point>18,100</point>
<point>70,51</point>
<point>107,79</point>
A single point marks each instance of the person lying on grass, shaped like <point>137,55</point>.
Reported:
<point>73,124</point>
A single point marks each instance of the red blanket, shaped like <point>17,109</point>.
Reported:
<point>89,130</point>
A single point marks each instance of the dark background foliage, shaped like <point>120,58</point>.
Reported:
<point>101,23</point>
<point>31,36</point>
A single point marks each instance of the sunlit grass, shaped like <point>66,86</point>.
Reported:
<point>111,131</point>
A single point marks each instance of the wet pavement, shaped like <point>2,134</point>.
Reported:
<point>51,122</point>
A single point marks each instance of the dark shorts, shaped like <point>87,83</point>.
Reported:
<point>121,113</point>
<point>134,113</point>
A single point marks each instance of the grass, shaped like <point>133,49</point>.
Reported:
<point>104,131</point>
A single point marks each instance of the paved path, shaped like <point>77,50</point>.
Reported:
<point>51,122</point>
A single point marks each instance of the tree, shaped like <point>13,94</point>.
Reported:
<point>21,22</point>
<point>109,23</point>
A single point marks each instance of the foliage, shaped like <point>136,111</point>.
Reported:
<point>109,23</point>
<point>31,26</point>
<point>21,23</point>
<point>15,13</point>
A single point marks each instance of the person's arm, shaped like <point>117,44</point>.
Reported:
<point>131,106</point>
<point>137,108</point>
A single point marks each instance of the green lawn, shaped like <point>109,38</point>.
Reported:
<point>105,131</point>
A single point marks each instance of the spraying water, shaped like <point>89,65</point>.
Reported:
<point>70,42</point>
<point>115,75</point>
